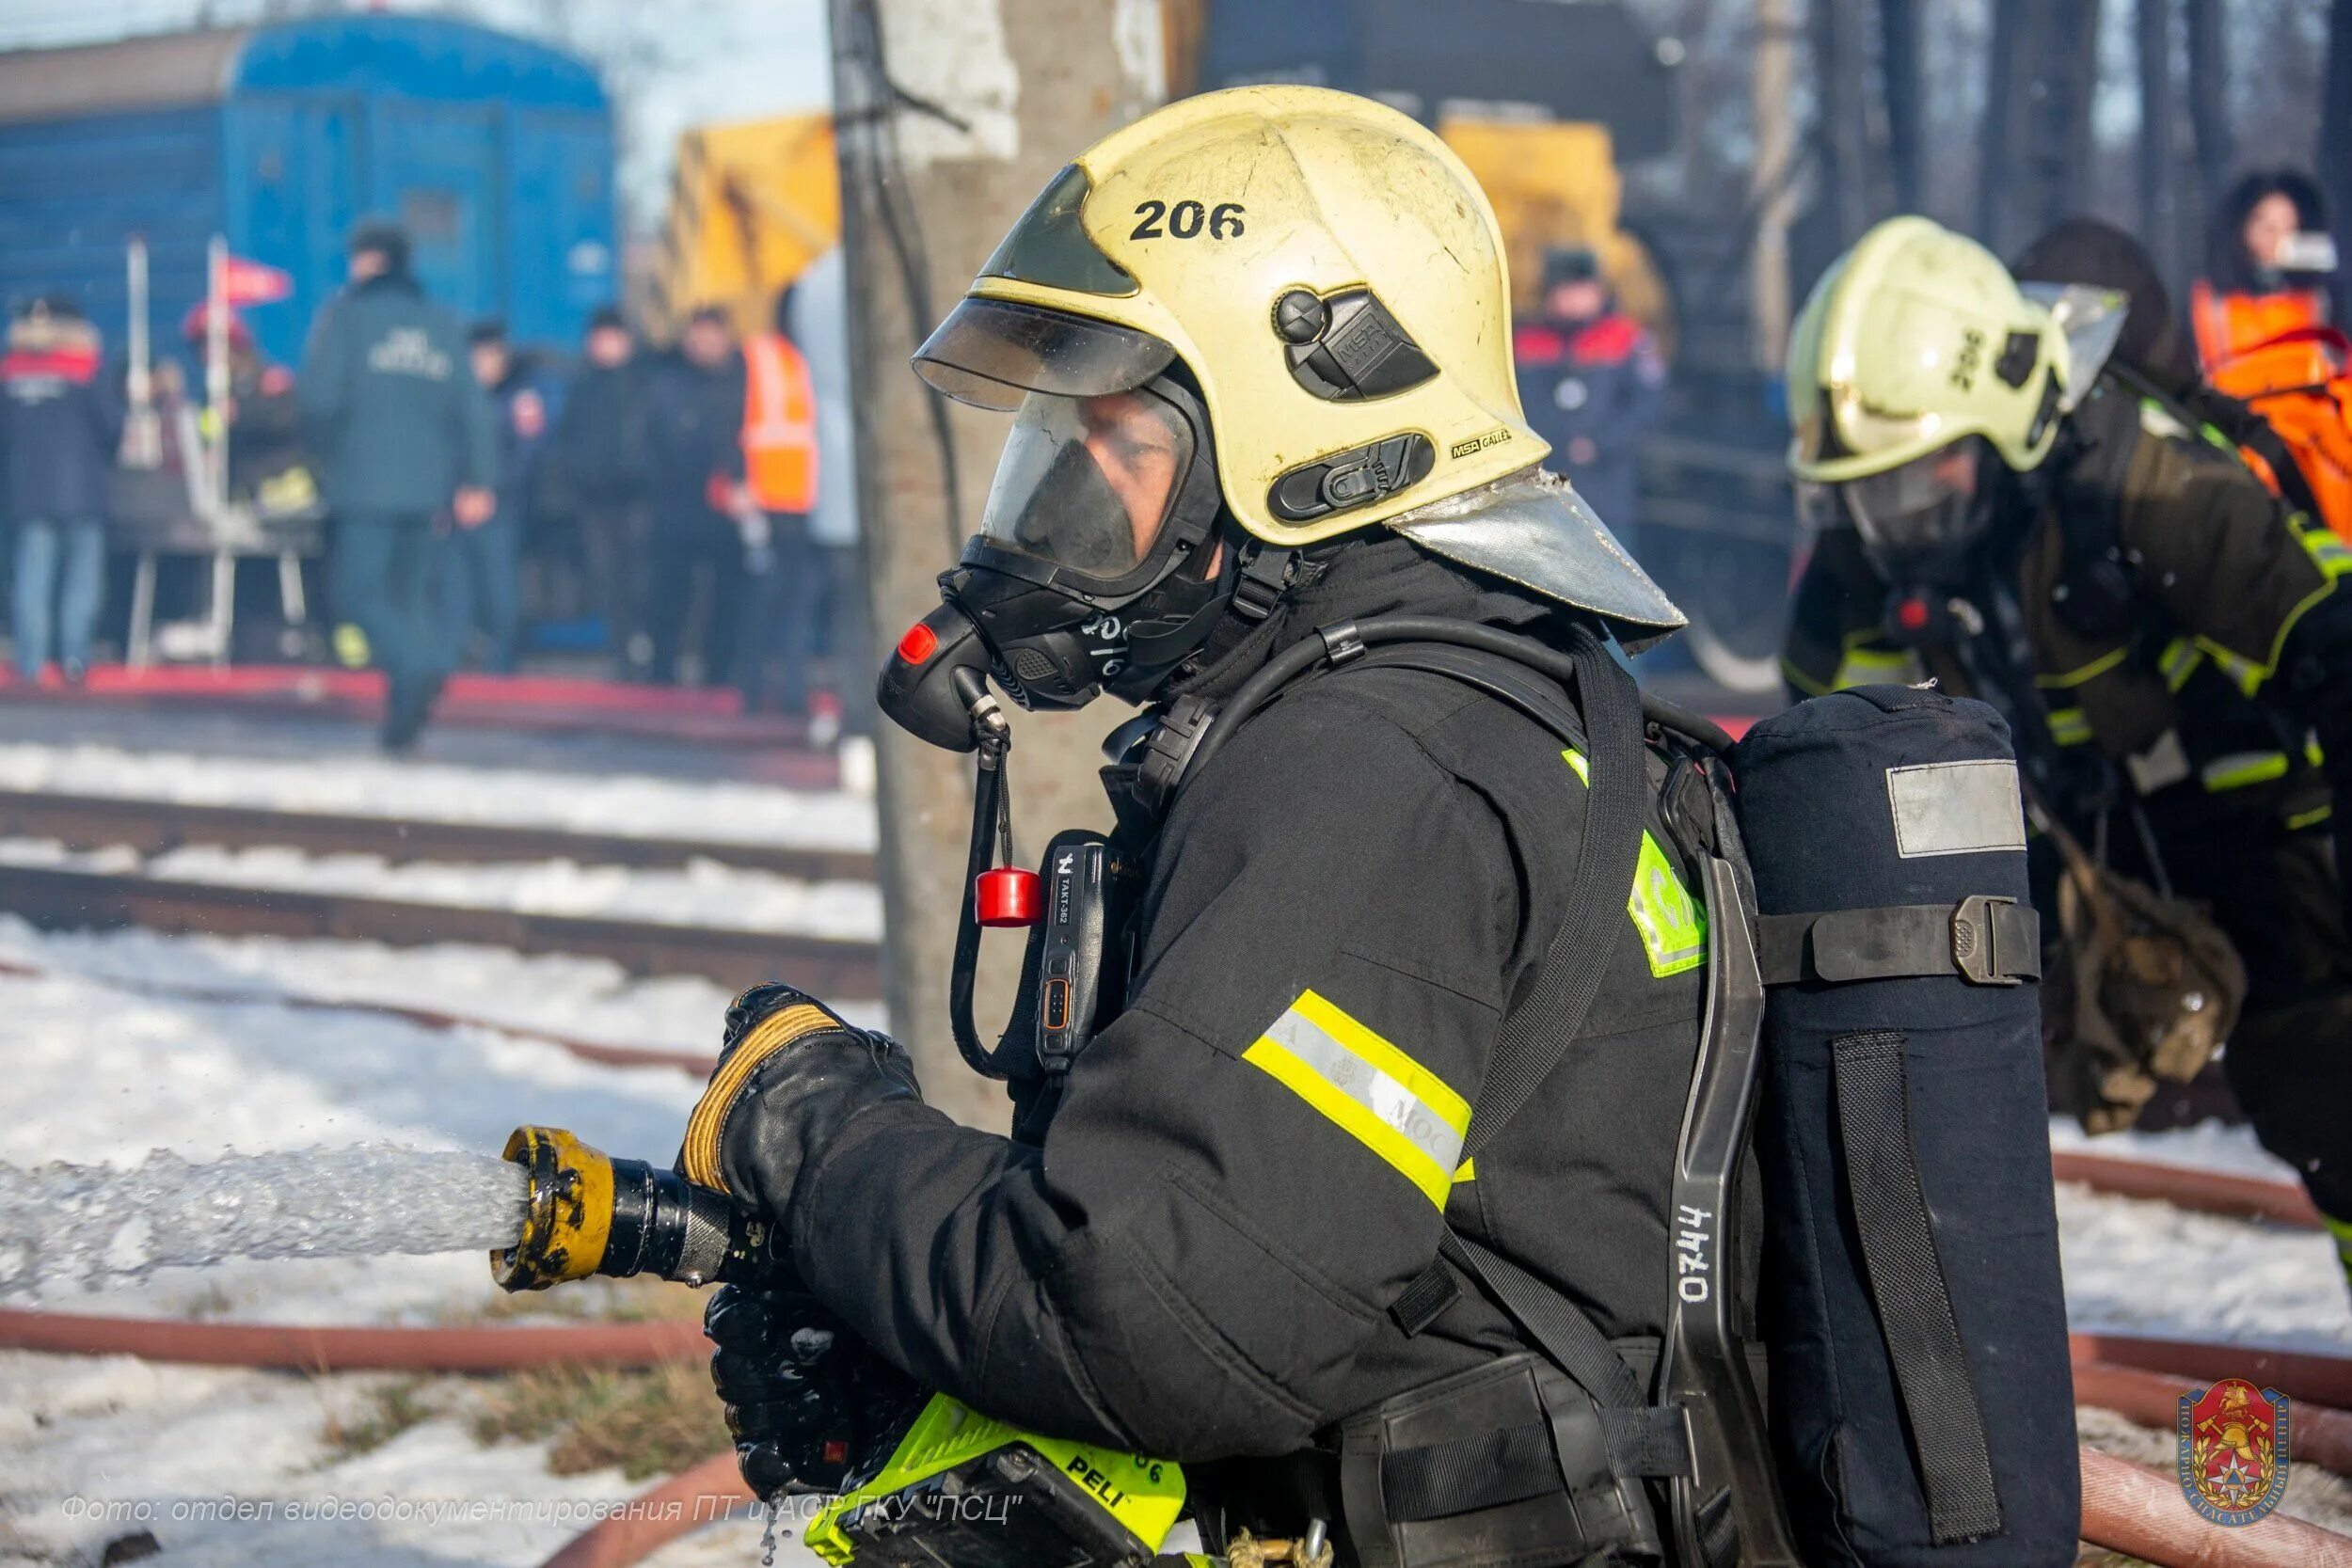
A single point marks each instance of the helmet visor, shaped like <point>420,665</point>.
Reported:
<point>992,352</point>
<point>1086,484</point>
<point>1935,503</point>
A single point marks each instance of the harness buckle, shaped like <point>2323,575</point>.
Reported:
<point>1977,944</point>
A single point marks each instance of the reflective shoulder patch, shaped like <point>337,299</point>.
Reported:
<point>1368,1088</point>
<point>1956,808</point>
<point>1672,923</point>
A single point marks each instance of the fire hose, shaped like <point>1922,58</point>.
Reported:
<point>293,1347</point>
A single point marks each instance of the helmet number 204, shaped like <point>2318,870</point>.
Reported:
<point>1187,219</point>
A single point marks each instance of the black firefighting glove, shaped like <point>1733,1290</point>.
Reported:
<point>792,1074</point>
<point>805,1401</point>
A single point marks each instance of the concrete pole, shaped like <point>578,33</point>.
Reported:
<point>1770,184</point>
<point>953,115</point>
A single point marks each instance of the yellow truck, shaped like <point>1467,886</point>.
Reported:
<point>752,204</point>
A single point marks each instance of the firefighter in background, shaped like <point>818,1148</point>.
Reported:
<point>2271,268</point>
<point>791,574</point>
<point>1593,383</point>
<point>2005,513</point>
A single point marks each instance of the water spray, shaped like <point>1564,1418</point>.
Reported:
<point>91,1225</point>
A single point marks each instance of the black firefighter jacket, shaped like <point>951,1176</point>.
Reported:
<point>2231,653</point>
<point>1252,1164</point>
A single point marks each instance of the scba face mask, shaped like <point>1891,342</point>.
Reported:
<point>1095,569</point>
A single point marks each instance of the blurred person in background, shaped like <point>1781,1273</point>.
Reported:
<point>60,422</point>
<point>784,613</point>
<point>264,422</point>
<point>595,474</point>
<point>481,567</point>
<point>701,506</point>
<point>2270,267</point>
<point>402,436</point>
<point>1594,383</point>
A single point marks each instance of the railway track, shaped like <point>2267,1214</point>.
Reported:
<point>731,956</point>
<point>61,898</point>
<point>155,827</point>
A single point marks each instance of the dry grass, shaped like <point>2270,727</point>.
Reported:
<point>645,1420</point>
<point>648,1421</point>
<point>383,1411</point>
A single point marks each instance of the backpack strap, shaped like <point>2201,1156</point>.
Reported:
<point>1537,1033</point>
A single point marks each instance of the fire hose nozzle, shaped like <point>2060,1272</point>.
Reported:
<point>588,1213</point>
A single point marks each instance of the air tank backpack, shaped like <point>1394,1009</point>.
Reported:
<point>1914,1318</point>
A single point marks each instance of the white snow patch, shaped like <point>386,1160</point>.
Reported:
<point>2141,1267</point>
<point>628,804</point>
<point>705,893</point>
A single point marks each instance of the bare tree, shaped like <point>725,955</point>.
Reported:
<point>2335,114</point>
<point>2159,210</point>
<point>2043,72</point>
<point>1906,101</point>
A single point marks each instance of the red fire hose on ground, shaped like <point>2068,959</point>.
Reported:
<point>290,1347</point>
<point>2130,1509</point>
<point>2319,1435</point>
<point>2210,1192</point>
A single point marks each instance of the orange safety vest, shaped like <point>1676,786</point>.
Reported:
<point>2302,383</point>
<point>2230,324</point>
<point>779,426</point>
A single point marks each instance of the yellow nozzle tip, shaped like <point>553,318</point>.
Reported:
<point>567,1219</point>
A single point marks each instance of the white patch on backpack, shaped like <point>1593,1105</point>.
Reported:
<point>1956,808</point>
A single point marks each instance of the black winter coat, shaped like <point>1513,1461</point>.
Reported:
<point>1252,1162</point>
<point>60,421</point>
<point>390,412</point>
<point>693,431</point>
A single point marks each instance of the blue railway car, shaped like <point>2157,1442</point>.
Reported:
<point>494,152</point>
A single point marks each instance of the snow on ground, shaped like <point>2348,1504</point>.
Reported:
<point>372,786</point>
<point>705,893</point>
<point>99,1073</point>
<point>2138,1267</point>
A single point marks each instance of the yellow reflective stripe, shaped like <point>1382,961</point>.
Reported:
<point>2311,752</point>
<point>2328,552</point>
<point>1672,923</point>
<point>769,1036</point>
<point>2178,661</point>
<point>2299,820</point>
<point>2096,668</point>
<point>1872,667</point>
<point>2244,674</point>
<point>2342,1231</point>
<point>1465,1171</point>
<point>1796,676</point>
<point>2070,726</point>
<point>1392,1104</point>
<point>2241,768</point>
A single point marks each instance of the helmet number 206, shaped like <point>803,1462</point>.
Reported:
<point>1187,219</point>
